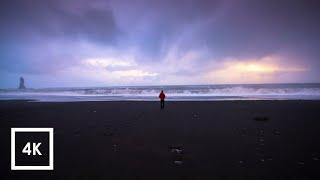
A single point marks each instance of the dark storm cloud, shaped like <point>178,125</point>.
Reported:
<point>52,18</point>
<point>30,27</point>
<point>246,28</point>
<point>42,36</point>
<point>155,26</point>
<point>262,27</point>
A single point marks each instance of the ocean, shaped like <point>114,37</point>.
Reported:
<point>173,92</point>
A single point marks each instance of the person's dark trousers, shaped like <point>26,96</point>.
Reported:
<point>162,104</point>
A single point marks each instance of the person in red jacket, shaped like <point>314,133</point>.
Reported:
<point>162,96</point>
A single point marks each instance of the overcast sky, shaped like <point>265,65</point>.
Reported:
<point>59,43</point>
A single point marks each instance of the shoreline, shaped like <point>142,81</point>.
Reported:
<point>155,101</point>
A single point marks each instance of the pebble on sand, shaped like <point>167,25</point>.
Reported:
<point>276,132</point>
<point>261,118</point>
<point>115,147</point>
<point>178,162</point>
<point>176,149</point>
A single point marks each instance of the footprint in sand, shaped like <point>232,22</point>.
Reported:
<point>315,157</point>
<point>115,148</point>
<point>260,133</point>
<point>108,133</point>
<point>195,117</point>
<point>242,163</point>
<point>260,150</point>
<point>243,132</point>
<point>178,154</point>
<point>77,132</point>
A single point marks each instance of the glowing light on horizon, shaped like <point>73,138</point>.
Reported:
<point>263,70</point>
<point>256,67</point>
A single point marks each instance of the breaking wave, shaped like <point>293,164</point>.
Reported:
<point>183,92</point>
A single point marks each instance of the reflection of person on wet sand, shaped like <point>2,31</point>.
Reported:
<point>162,96</point>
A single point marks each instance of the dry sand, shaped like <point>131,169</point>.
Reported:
<point>186,140</point>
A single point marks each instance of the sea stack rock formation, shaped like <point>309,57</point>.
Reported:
<point>21,84</point>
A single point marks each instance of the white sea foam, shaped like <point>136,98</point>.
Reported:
<point>193,92</point>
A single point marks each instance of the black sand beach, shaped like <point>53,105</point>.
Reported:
<point>186,140</point>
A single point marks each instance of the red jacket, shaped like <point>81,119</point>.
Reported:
<point>162,96</point>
